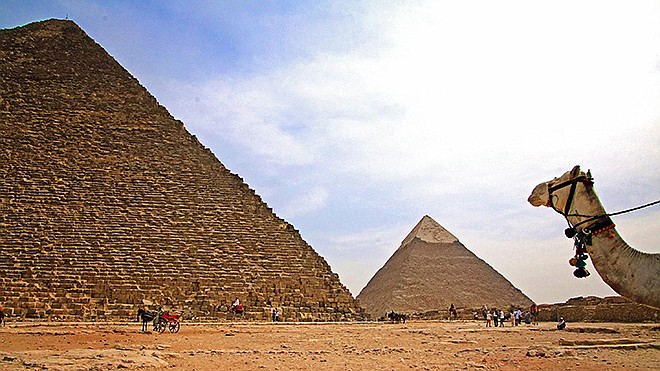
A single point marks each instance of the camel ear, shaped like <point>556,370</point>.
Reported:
<point>576,171</point>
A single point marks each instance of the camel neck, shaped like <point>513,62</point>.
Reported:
<point>586,210</point>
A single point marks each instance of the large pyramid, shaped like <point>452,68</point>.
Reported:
<point>107,202</point>
<point>430,271</point>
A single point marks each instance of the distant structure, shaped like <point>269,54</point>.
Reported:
<point>107,202</point>
<point>595,309</point>
<point>432,270</point>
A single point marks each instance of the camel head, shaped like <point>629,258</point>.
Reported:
<point>631,273</point>
<point>541,193</point>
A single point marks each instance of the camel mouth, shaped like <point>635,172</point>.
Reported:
<point>535,200</point>
<point>539,195</point>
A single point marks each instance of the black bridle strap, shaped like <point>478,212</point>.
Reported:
<point>581,178</point>
<point>573,183</point>
<point>569,201</point>
<point>602,222</point>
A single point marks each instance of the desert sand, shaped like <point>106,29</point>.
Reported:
<point>423,345</point>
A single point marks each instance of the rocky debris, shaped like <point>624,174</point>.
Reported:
<point>536,352</point>
<point>595,309</point>
<point>545,352</point>
<point>91,359</point>
<point>610,343</point>
<point>355,345</point>
<point>592,330</point>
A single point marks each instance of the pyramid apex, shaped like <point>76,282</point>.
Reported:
<point>428,230</point>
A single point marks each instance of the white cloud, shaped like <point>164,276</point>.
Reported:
<point>428,104</point>
<point>312,200</point>
<point>458,112</point>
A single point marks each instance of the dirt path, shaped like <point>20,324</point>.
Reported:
<point>331,346</point>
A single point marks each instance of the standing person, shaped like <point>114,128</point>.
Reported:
<point>501,318</point>
<point>2,315</point>
<point>534,311</point>
<point>518,316</point>
<point>488,318</point>
<point>495,318</point>
<point>452,311</point>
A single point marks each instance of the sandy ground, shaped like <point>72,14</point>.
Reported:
<point>331,346</point>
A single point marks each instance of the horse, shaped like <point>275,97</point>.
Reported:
<point>395,317</point>
<point>146,317</point>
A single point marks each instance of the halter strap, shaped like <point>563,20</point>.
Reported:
<point>601,222</point>
<point>573,183</point>
<point>581,178</point>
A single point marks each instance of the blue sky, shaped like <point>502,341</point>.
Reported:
<point>353,120</point>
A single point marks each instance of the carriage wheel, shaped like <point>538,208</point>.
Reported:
<point>161,326</point>
<point>175,327</point>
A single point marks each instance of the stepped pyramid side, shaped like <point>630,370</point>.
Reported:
<point>431,270</point>
<point>107,202</point>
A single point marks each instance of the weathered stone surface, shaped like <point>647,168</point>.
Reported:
<point>430,271</point>
<point>108,202</point>
<point>595,309</point>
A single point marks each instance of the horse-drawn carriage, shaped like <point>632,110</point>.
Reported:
<point>168,320</point>
<point>161,320</point>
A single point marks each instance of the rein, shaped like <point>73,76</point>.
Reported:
<point>616,213</point>
<point>597,226</point>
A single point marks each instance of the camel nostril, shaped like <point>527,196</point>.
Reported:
<point>534,200</point>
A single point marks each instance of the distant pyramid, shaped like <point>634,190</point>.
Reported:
<point>430,271</point>
<point>107,202</point>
